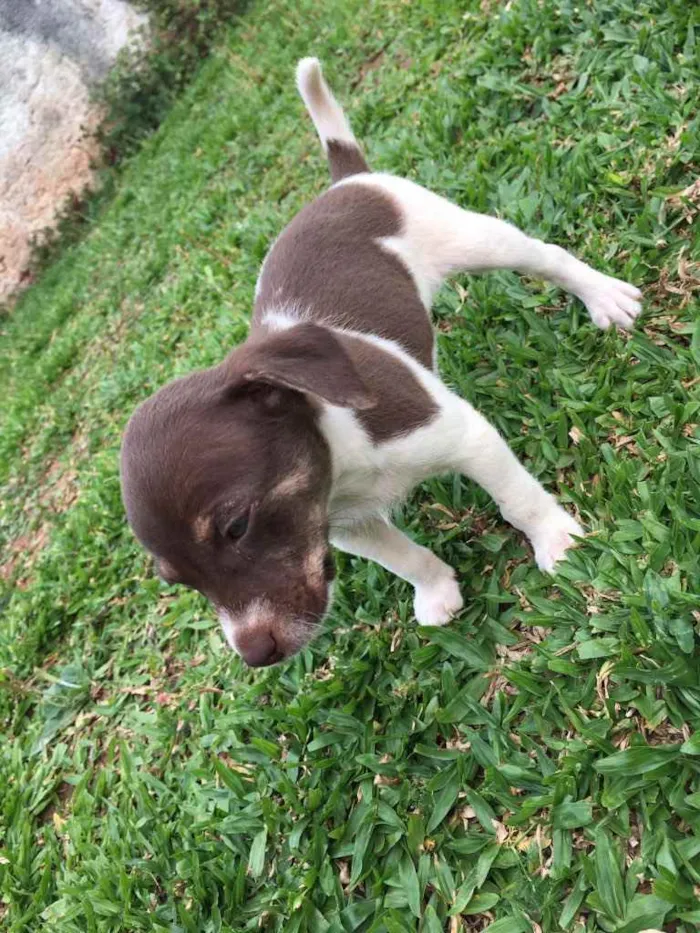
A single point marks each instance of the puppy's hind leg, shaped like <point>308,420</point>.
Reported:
<point>440,238</point>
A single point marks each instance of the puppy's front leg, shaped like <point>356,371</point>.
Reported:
<point>437,596</point>
<point>481,454</point>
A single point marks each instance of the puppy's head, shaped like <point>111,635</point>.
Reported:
<point>226,478</point>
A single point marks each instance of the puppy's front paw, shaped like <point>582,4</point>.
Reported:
<point>611,301</point>
<point>436,603</point>
<point>553,537</point>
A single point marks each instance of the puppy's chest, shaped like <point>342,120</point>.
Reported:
<point>368,477</point>
<point>365,490</point>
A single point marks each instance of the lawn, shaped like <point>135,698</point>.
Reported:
<point>536,765</point>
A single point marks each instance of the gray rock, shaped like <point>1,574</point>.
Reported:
<point>51,53</point>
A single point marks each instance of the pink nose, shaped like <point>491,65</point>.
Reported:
<point>258,648</point>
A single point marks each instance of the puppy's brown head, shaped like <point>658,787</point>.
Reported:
<point>226,478</point>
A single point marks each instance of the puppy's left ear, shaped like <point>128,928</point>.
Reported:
<point>307,358</point>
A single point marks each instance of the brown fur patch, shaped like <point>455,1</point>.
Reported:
<point>344,160</point>
<point>329,264</point>
<point>200,448</point>
<point>167,571</point>
<point>402,403</point>
<point>307,358</point>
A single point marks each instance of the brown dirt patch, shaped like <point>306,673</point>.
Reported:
<point>58,492</point>
<point>23,553</point>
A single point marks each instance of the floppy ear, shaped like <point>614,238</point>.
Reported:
<point>308,358</point>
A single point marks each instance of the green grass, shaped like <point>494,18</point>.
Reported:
<point>533,767</point>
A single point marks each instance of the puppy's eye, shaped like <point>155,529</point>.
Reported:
<point>236,529</point>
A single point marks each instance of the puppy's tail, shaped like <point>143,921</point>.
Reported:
<point>342,149</point>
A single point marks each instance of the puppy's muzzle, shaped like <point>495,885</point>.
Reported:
<point>258,647</point>
<point>263,634</point>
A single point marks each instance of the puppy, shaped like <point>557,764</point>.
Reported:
<point>237,478</point>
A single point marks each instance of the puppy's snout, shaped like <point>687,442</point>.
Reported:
<point>257,647</point>
<point>264,634</point>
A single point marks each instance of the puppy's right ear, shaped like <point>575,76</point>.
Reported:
<point>307,358</point>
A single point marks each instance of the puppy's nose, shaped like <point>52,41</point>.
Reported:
<point>258,648</point>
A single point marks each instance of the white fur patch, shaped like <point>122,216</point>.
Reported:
<point>438,602</point>
<point>291,485</point>
<point>553,536</point>
<point>313,563</point>
<point>258,612</point>
<point>284,317</point>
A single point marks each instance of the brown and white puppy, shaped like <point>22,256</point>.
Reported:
<point>238,478</point>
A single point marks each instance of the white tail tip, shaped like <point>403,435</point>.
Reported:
<point>324,109</point>
<point>309,76</point>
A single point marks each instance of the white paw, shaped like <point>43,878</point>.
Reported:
<point>436,603</point>
<point>553,537</point>
<point>611,301</point>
